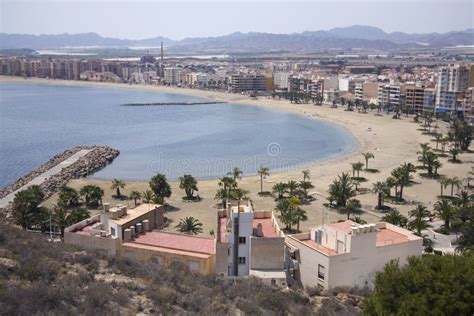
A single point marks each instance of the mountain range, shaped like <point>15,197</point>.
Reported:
<point>357,36</point>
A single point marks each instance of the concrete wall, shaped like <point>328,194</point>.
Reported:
<point>267,253</point>
<point>308,267</point>
<point>201,265</point>
<point>222,258</point>
<point>111,245</point>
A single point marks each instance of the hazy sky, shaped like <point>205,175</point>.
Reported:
<point>179,19</point>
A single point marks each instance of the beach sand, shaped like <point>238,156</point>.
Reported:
<point>393,142</point>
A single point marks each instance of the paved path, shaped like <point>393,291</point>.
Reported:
<point>45,175</point>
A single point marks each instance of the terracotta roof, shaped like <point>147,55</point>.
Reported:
<point>177,242</point>
<point>387,237</point>
<point>267,227</point>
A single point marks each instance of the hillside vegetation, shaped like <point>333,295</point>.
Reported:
<point>38,277</point>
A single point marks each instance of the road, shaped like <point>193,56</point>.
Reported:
<point>45,175</point>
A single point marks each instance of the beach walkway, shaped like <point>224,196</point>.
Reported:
<point>45,175</point>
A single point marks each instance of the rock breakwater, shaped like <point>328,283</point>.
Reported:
<point>97,158</point>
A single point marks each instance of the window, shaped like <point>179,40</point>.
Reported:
<point>242,240</point>
<point>321,272</point>
<point>242,260</point>
<point>112,231</point>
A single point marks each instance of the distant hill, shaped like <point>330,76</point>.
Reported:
<point>356,36</point>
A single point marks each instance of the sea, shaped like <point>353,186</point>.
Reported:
<point>40,120</point>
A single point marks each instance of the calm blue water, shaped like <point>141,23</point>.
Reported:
<point>39,120</point>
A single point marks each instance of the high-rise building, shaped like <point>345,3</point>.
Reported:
<point>453,81</point>
<point>172,75</point>
<point>242,83</point>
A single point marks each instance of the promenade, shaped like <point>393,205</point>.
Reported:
<point>45,175</point>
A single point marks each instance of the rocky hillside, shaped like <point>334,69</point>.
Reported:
<point>38,277</point>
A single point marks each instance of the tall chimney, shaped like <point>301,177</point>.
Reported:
<point>162,51</point>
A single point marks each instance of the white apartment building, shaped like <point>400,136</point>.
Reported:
<point>429,100</point>
<point>172,75</point>
<point>280,79</point>
<point>453,81</point>
<point>390,95</point>
<point>346,253</point>
<point>249,243</point>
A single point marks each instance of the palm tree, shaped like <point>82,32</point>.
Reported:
<point>148,196</point>
<point>63,218</point>
<point>438,137</point>
<point>286,216</point>
<point>342,189</point>
<point>236,174</point>
<point>357,167</point>
<point>465,242</point>
<point>367,156</point>
<point>68,197</point>
<point>353,206</point>
<point>381,189</point>
<point>454,152</point>
<point>263,172</point>
<point>292,188</point>
<point>92,194</point>
<point>358,220</point>
<point>117,185</point>
<point>464,198</point>
<point>297,212</point>
<point>306,174</point>
<point>444,182</point>
<point>391,182</point>
<point>419,222</point>
<point>394,217</point>
<point>445,211</point>
<point>189,184</point>
<point>280,189</point>
<point>404,176</point>
<point>135,195</point>
<point>227,184</point>
<point>190,225</point>
<point>305,186</point>
<point>454,182</point>
<point>159,185</point>
<point>25,209</point>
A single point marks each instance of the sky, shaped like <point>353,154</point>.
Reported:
<point>193,18</point>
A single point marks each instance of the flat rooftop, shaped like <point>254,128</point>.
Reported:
<point>136,212</point>
<point>267,227</point>
<point>174,243</point>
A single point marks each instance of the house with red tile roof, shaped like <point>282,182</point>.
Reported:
<point>347,253</point>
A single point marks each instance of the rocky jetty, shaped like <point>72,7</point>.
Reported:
<point>96,159</point>
<point>172,103</point>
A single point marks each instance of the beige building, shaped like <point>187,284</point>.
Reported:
<point>346,253</point>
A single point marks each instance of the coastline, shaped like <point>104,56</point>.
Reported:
<point>393,142</point>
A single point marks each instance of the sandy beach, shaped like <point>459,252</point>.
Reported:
<point>393,142</point>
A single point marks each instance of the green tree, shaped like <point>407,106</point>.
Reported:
<point>26,211</point>
<point>367,156</point>
<point>159,185</point>
<point>418,220</point>
<point>427,285</point>
<point>189,184</point>
<point>190,225</point>
<point>280,189</point>
<point>342,189</point>
<point>293,188</point>
<point>465,242</point>
<point>286,216</point>
<point>306,174</point>
<point>445,211</point>
<point>357,167</point>
<point>454,182</point>
<point>92,195</point>
<point>236,174</point>
<point>454,152</point>
<point>63,218</point>
<point>226,184</point>
<point>358,220</point>
<point>381,189</point>
<point>461,133</point>
<point>135,195</point>
<point>148,196</point>
<point>305,186</point>
<point>394,217</point>
<point>68,197</point>
<point>117,185</point>
<point>353,207</point>
<point>263,172</point>
<point>444,182</point>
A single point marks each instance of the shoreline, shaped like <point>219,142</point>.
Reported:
<point>393,142</point>
<point>213,96</point>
